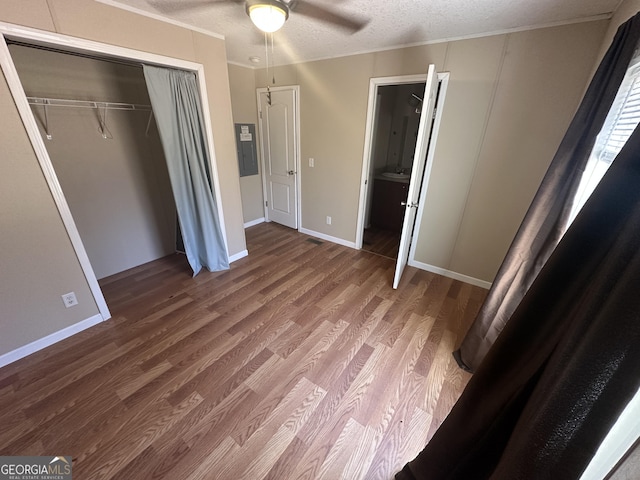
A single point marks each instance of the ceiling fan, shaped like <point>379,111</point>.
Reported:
<point>270,15</point>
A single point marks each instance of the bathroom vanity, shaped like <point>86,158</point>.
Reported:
<point>389,191</point>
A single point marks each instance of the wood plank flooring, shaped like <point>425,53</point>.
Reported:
<point>380,241</point>
<point>300,362</point>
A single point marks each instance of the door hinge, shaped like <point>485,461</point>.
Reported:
<point>266,203</point>
<point>260,114</point>
<point>433,117</point>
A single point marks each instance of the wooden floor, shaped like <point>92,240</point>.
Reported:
<point>382,242</point>
<point>300,362</point>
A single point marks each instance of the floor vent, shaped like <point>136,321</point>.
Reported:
<point>314,241</point>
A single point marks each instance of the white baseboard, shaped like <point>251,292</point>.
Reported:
<point>448,273</point>
<point>49,340</point>
<point>328,238</point>
<point>254,222</point>
<point>238,256</point>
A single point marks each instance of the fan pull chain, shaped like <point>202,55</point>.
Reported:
<point>272,61</point>
<point>266,51</point>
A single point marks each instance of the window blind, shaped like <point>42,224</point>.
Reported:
<point>623,118</point>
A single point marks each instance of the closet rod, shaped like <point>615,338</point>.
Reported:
<point>60,102</point>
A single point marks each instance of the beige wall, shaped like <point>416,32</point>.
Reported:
<point>509,101</point>
<point>537,94</point>
<point>211,53</point>
<point>243,100</point>
<point>38,263</point>
<point>474,67</point>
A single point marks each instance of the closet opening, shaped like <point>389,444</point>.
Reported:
<point>96,121</point>
<point>86,111</point>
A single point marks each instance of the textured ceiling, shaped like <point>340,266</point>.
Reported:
<point>392,23</point>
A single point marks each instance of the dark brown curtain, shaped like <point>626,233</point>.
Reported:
<point>568,361</point>
<point>544,223</point>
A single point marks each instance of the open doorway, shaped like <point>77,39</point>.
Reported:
<point>392,138</point>
<point>395,132</point>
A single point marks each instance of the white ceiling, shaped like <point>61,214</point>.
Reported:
<point>392,23</point>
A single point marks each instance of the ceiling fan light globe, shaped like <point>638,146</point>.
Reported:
<point>267,17</point>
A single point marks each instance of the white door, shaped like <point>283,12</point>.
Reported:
<point>417,172</point>
<point>278,139</point>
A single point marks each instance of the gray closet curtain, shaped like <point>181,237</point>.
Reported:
<point>176,106</point>
<point>545,221</point>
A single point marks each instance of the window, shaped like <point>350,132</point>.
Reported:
<point>621,121</point>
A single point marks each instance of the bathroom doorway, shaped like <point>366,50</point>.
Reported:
<point>395,131</point>
<point>403,118</point>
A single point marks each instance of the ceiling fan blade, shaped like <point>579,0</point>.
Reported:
<point>323,14</point>
<point>186,5</point>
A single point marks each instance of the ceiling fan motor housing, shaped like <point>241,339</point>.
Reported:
<point>267,15</point>
<point>250,4</point>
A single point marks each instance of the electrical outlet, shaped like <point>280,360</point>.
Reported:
<point>328,220</point>
<point>311,162</point>
<point>69,299</point>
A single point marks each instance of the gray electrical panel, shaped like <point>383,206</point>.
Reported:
<point>246,147</point>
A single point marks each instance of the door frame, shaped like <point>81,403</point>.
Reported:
<point>69,43</point>
<point>297,150</point>
<point>374,84</point>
